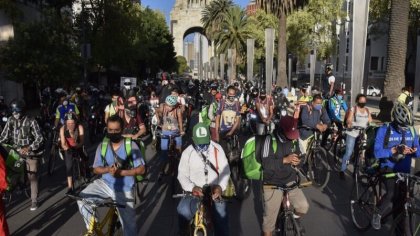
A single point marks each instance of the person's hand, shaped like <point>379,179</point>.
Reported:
<point>291,159</point>
<point>114,171</point>
<point>197,191</point>
<point>394,150</point>
<point>216,137</point>
<point>24,150</point>
<point>216,192</point>
<point>128,136</point>
<point>228,134</point>
<point>319,127</point>
<point>182,133</point>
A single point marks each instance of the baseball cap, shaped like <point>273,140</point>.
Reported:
<point>288,126</point>
<point>201,134</point>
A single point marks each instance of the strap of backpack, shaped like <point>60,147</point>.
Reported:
<point>217,161</point>
<point>104,148</point>
<point>128,150</point>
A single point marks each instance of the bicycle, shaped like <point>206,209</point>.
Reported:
<point>316,160</point>
<point>201,224</point>
<point>408,221</point>
<point>17,178</point>
<point>286,223</point>
<point>111,218</point>
<point>54,152</point>
<point>79,169</point>
<point>170,167</point>
<point>359,163</point>
<point>233,153</point>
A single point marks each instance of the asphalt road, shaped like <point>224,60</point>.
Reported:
<point>329,212</point>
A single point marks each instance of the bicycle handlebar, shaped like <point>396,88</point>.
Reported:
<point>189,194</point>
<point>29,155</point>
<point>107,202</point>
<point>403,176</point>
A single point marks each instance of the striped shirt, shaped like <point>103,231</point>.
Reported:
<point>23,132</point>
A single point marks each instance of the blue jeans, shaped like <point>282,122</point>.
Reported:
<point>350,142</point>
<point>100,190</point>
<point>187,207</point>
<point>164,143</point>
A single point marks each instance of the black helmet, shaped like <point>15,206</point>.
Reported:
<point>17,106</point>
<point>263,91</point>
<point>255,91</point>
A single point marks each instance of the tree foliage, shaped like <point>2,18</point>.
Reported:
<point>182,65</point>
<point>213,15</point>
<point>42,51</point>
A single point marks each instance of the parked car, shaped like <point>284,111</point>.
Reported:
<point>372,91</point>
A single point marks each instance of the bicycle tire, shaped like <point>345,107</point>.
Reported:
<point>52,159</point>
<point>362,203</point>
<point>339,150</point>
<point>406,223</point>
<point>200,232</point>
<point>319,169</point>
<point>76,176</point>
<point>287,225</point>
<point>115,227</point>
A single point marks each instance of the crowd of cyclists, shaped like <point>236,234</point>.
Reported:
<point>212,126</point>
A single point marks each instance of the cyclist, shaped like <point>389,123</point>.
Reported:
<point>335,105</point>
<point>114,107</point>
<point>329,81</point>
<point>313,116</point>
<point>72,139</point>
<point>63,109</point>
<point>23,132</point>
<point>133,124</point>
<point>278,171</point>
<point>396,142</point>
<point>203,165</point>
<point>212,113</point>
<point>359,116</point>
<point>406,97</point>
<point>228,117</point>
<point>117,179</point>
<point>265,111</point>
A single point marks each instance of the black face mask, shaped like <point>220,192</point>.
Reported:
<point>132,112</point>
<point>262,97</point>
<point>114,137</point>
<point>231,98</point>
<point>361,104</point>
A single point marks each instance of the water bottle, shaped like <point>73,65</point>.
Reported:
<point>376,220</point>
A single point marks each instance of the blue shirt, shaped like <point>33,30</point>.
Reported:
<point>63,110</point>
<point>119,184</point>
<point>395,139</point>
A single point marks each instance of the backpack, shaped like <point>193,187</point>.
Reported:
<point>128,149</point>
<point>251,157</point>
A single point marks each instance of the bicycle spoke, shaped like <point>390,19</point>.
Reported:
<point>362,204</point>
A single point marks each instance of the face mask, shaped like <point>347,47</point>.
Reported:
<point>262,97</point>
<point>17,116</point>
<point>114,137</point>
<point>65,103</point>
<point>202,147</point>
<point>132,112</point>
<point>361,104</point>
<point>318,107</point>
<point>231,98</point>
<point>340,97</point>
<point>114,103</point>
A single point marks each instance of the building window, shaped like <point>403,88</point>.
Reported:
<point>347,45</point>
<point>383,64</point>
<point>374,62</point>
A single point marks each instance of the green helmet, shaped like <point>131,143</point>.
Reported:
<point>171,100</point>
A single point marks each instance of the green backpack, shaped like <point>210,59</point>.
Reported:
<point>251,162</point>
<point>128,149</point>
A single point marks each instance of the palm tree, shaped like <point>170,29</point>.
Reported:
<point>233,34</point>
<point>281,8</point>
<point>397,48</point>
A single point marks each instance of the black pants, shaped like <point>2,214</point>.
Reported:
<point>68,159</point>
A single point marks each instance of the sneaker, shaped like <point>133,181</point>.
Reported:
<point>342,175</point>
<point>34,206</point>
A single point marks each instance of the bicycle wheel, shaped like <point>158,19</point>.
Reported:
<point>287,225</point>
<point>200,232</point>
<point>339,150</point>
<point>76,173</point>
<point>319,169</point>
<point>406,223</point>
<point>115,227</point>
<point>242,186</point>
<point>362,203</point>
<point>52,159</point>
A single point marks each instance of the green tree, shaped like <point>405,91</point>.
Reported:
<point>182,65</point>
<point>42,51</point>
<point>233,35</point>
<point>281,8</point>
<point>213,15</point>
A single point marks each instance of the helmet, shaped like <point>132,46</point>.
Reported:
<point>329,67</point>
<point>171,100</point>
<point>263,91</point>
<point>17,106</point>
<point>402,115</point>
<point>214,86</point>
<point>255,91</point>
<point>70,116</point>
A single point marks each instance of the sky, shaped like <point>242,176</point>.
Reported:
<point>165,6</point>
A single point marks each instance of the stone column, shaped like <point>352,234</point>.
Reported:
<point>250,59</point>
<point>230,52</point>
<point>269,55</point>
<point>222,66</point>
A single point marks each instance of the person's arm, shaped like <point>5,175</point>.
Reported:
<point>224,170</point>
<point>63,142</point>
<point>270,110</point>
<point>7,132</point>
<point>211,114</point>
<point>81,136</point>
<point>180,122</point>
<point>184,170</point>
<point>98,166</point>
<point>325,118</point>
<point>37,134</point>
<point>258,107</point>
<point>379,150</point>
<point>370,117</point>
<point>57,118</point>
<point>344,106</point>
<point>107,113</point>
<point>76,110</point>
<point>331,82</point>
<point>349,120</point>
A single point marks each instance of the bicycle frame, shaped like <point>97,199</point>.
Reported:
<point>199,223</point>
<point>96,227</point>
